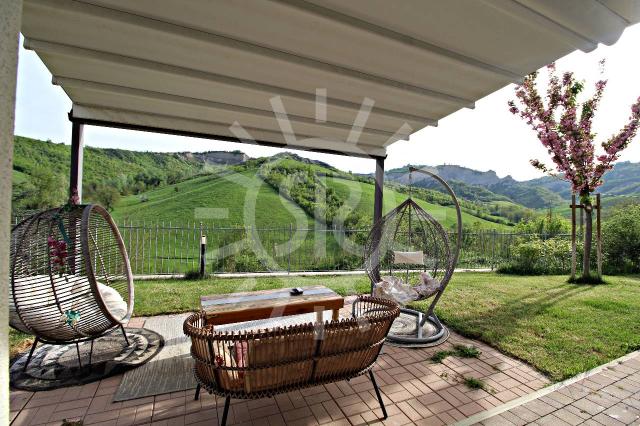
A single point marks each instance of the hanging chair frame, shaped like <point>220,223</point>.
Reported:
<point>372,263</point>
<point>79,219</point>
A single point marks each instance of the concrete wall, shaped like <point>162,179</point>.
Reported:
<point>10,15</point>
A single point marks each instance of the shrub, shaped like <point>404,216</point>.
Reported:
<point>535,256</point>
<point>621,240</point>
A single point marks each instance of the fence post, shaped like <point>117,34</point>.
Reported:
<point>493,249</point>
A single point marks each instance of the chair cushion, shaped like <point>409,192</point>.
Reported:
<point>395,289</point>
<point>114,302</point>
<point>408,257</point>
<point>428,286</point>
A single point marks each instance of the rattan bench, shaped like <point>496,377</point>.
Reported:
<point>250,365</point>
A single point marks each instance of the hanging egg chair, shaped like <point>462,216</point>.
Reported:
<point>70,276</point>
<point>409,256</point>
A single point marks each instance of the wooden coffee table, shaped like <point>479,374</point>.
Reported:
<point>254,305</point>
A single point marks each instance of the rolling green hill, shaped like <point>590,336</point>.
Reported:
<point>225,199</point>
<point>359,196</point>
<point>41,169</point>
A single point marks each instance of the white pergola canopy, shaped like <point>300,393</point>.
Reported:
<point>231,69</point>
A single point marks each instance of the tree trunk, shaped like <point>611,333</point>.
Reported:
<point>588,237</point>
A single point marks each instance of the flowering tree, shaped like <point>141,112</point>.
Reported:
<point>563,125</point>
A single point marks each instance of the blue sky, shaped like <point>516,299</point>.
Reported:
<point>486,138</point>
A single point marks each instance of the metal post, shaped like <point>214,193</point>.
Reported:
<point>77,150</point>
<point>377,215</point>
<point>203,251</point>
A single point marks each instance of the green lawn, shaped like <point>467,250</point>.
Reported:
<point>561,329</point>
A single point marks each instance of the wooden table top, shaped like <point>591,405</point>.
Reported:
<point>253,305</point>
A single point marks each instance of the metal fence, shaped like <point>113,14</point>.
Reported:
<point>174,248</point>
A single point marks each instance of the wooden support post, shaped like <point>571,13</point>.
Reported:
<point>598,237</point>
<point>377,215</point>
<point>573,236</point>
<point>77,149</point>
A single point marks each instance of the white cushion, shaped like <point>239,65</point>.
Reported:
<point>115,303</point>
<point>408,257</point>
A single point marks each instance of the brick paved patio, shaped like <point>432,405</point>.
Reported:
<point>608,397</point>
<point>415,389</point>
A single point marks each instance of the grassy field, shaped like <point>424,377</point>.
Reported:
<point>561,329</point>
<point>244,199</point>
<point>361,195</point>
<point>236,199</point>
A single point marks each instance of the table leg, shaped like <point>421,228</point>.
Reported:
<point>335,315</point>
<point>319,316</point>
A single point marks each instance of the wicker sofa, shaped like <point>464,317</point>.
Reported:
<point>250,365</point>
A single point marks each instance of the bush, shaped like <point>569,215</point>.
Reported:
<point>539,257</point>
<point>107,196</point>
<point>621,240</point>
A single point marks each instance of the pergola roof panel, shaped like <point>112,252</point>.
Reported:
<point>223,62</point>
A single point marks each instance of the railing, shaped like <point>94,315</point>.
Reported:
<point>161,248</point>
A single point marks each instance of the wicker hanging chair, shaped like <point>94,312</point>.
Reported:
<point>70,276</point>
<point>409,256</point>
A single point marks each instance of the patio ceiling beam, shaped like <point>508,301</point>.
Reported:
<point>251,48</point>
<point>166,97</point>
<point>398,37</point>
<point>268,90</point>
<point>335,147</point>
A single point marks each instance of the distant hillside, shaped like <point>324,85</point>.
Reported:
<point>275,191</point>
<point>216,157</point>
<point>623,180</point>
<point>41,170</point>
<point>171,186</point>
<point>481,186</point>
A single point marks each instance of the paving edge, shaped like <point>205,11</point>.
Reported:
<point>484,415</point>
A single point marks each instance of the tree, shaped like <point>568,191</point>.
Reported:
<point>45,189</point>
<point>108,196</point>
<point>563,126</point>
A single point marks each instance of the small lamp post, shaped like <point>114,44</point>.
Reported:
<point>203,250</point>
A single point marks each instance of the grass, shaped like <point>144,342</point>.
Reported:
<point>164,297</point>
<point>562,329</point>
<point>236,199</point>
<point>461,351</point>
<point>473,383</point>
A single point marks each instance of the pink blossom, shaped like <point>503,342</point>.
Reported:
<point>569,139</point>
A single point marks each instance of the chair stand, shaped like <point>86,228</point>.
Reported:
<point>227,400</point>
<point>375,387</point>
<point>33,348</point>
<point>124,333</point>
<point>225,412</point>
<point>197,392</point>
<point>419,339</point>
<point>91,339</point>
